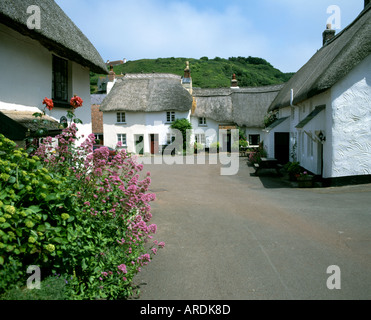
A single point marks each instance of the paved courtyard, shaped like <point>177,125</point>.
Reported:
<point>246,237</point>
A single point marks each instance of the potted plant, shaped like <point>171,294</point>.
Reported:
<point>305,180</point>
<point>293,169</point>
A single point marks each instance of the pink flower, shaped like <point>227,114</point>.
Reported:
<point>122,268</point>
<point>161,244</point>
<point>154,250</point>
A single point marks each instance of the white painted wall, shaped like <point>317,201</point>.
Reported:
<point>269,137</point>
<point>211,130</point>
<point>308,151</point>
<point>26,78</point>
<point>351,116</point>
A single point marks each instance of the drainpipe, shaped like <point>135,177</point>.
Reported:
<point>292,98</point>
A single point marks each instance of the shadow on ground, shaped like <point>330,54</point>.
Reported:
<point>272,180</point>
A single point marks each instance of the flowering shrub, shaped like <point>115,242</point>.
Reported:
<point>106,246</point>
<point>87,217</point>
<point>33,221</point>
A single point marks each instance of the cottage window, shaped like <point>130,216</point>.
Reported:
<point>121,117</point>
<point>170,116</point>
<point>60,80</point>
<point>121,137</point>
<point>202,121</point>
<point>201,138</point>
<point>254,139</point>
<point>170,138</point>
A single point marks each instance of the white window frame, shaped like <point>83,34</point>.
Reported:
<point>170,116</point>
<point>121,137</point>
<point>202,122</point>
<point>121,117</point>
<point>200,138</point>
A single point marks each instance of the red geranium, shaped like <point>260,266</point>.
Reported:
<point>49,103</point>
<point>76,102</point>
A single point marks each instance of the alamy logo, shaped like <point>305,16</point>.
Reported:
<point>334,281</point>
<point>34,20</point>
<point>34,281</point>
<point>335,18</point>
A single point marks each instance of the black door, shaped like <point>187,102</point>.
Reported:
<point>282,147</point>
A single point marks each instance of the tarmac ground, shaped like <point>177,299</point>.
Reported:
<point>243,237</point>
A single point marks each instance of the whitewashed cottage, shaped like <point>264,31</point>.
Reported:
<point>325,109</point>
<point>217,111</point>
<point>140,109</point>
<point>42,54</point>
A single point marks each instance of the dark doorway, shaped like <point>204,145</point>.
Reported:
<point>282,147</point>
<point>154,143</point>
<point>227,142</point>
<point>139,144</point>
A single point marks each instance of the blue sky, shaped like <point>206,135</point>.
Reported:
<point>284,32</point>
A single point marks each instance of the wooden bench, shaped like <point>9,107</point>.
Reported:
<point>267,163</point>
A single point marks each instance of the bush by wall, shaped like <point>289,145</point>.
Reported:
<point>74,212</point>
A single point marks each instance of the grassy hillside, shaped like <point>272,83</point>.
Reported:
<point>209,73</point>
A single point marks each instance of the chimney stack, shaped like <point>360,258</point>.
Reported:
<point>187,79</point>
<point>234,82</point>
<point>111,75</point>
<point>328,34</point>
<point>367,2</point>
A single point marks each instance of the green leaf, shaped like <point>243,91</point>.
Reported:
<point>84,265</point>
<point>76,120</point>
<point>33,209</point>
<point>50,197</point>
<point>12,179</point>
<point>5,225</point>
<point>1,260</point>
<point>41,228</point>
<point>34,233</point>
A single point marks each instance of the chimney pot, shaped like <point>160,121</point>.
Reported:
<point>234,82</point>
<point>328,34</point>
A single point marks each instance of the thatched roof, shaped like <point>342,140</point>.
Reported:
<point>244,106</point>
<point>215,104</point>
<point>148,93</point>
<point>17,125</point>
<point>331,63</point>
<point>57,33</point>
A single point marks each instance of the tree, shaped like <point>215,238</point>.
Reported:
<point>184,126</point>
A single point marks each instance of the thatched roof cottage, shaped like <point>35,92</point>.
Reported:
<point>140,108</point>
<point>325,108</point>
<point>44,54</point>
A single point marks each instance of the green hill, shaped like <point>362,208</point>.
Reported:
<point>208,73</point>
